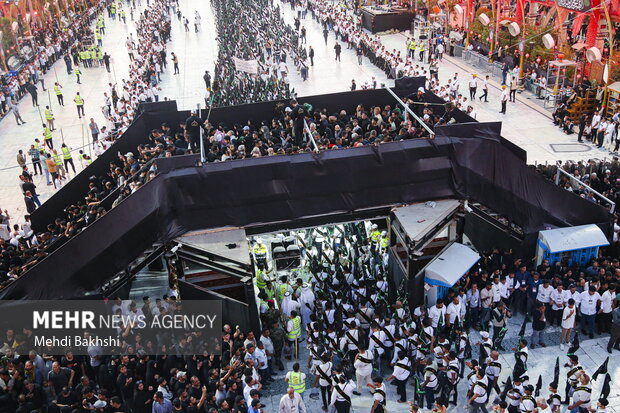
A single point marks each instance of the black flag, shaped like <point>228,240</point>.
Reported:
<point>556,374</point>
<point>575,345</point>
<point>538,386</point>
<point>606,388</point>
<point>522,331</point>
<point>601,370</point>
<point>507,388</point>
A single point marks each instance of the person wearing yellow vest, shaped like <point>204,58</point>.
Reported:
<point>67,158</point>
<point>79,101</point>
<point>260,252</point>
<point>383,242</point>
<point>49,118</point>
<point>296,379</point>
<point>261,282</point>
<point>421,51</point>
<point>293,332</point>
<point>411,46</point>
<point>98,37</point>
<point>283,287</point>
<point>77,72</point>
<point>58,161</point>
<point>58,91</point>
<point>47,136</point>
<point>374,233</point>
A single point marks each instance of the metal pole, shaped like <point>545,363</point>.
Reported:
<point>409,111</point>
<point>609,201</point>
<point>307,130</point>
<point>202,143</point>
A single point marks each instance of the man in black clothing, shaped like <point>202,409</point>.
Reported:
<point>311,56</point>
<point>32,89</point>
<point>29,201</point>
<point>325,34</point>
<point>338,49</point>
<point>582,125</point>
<point>207,78</point>
<point>34,394</point>
<point>192,131</point>
<point>106,61</point>
<point>67,400</point>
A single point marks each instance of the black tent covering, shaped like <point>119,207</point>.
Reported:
<point>281,189</point>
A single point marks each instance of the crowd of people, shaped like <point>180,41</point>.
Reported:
<point>259,33</point>
<point>21,248</point>
<point>358,335</point>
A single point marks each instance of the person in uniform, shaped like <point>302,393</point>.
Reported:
<point>363,367</point>
<point>571,376</point>
<point>324,378</point>
<point>341,395</point>
<point>277,336</point>
<point>296,379</point>
<point>527,404</point>
<point>430,383</point>
<point>293,332</point>
<point>402,370</point>
<point>480,393</point>
<point>582,394</point>
<point>378,395</point>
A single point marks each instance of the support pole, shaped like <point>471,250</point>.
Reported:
<point>409,111</point>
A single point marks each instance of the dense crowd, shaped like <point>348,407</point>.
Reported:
<point>21,248</point>
<point>258,33</point>
<point>360,335</point>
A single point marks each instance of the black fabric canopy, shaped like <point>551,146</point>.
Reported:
<point>465,161</point>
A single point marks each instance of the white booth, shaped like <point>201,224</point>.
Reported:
<point>446,269</point>
<point>573,244</point>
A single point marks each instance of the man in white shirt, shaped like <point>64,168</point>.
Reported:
<point>437,312</point>
<point>292,402</point>
<point>544,294</point>
<point>603,318</point>
<point>582,394</point>
<point>363,368</point>
<point>504,99</point>
<point>589,301</point>
<point>402,370</point>
<point>453,312</point>
<point>473,86</point>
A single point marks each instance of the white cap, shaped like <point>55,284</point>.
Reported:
<point>181,374</point>
<point>484,334</point>
<point>100,404</point>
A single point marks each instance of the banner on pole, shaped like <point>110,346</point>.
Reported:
<point>247,66</point>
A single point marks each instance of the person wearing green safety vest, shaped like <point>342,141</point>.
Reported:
<point>293,332</point>
<point>58,91</point>
<point>100,56</point>
<point>261,282</point>
<point>411,46</point>
<point>269,290</point>
<point>49,117</point>
<point>260,252</point>
<point>67,158</point>
<point>384,240</point>
<point>374,233</point>
<point>58,161</point>
<point>77,72</point>
<point>47,136</point>
<point>99,39</point>
<point>282,288</point>
<point>79,102</point>
<point>421,51</point>
<point>123,16</point>
<point>296,379</point>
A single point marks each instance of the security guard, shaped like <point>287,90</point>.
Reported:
<point>296,379</point>
<point>78,72</point>
<point>375,234</point>
<point>49,117</point>
<point>260,252</point>
<point>67,158</point>
<point>47,136</point>
<point>58,162</point>
<point>421,51</point>
<point>79,102</point>
<point>412,47</point>
<point>98,37</point>
<point>293,332</point>
<point>283,287</point>
<point>261,282</point>
<point>58,91</point>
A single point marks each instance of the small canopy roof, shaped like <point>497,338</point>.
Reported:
<point>449,266</point>
<point>572,238</point>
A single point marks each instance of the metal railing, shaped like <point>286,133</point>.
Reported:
<point>595,192</point>
<point>409,111</point>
